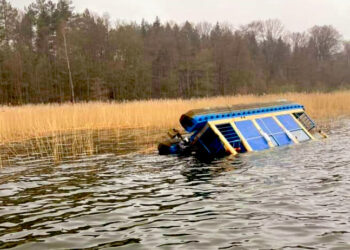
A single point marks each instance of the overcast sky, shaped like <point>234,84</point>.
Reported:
<point>296,15</point>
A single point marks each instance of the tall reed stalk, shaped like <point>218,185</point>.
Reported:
<point>51,127</point>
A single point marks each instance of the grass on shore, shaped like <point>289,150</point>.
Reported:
<point>33,121</point>
<point>20,123</point>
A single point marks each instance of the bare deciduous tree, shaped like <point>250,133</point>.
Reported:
<point>157,60</point>
<point>325,40</point>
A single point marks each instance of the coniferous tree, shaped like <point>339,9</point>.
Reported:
<point>49,53</point>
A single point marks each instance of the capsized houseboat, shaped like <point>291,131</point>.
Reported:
<point>240,128</point>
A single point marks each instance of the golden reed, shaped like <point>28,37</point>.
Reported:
<point>71,130</point>
<point>35,121</point>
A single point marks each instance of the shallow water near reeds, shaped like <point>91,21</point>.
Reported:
<point>286,198</point>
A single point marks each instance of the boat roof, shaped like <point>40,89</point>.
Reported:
<point>238,107</point>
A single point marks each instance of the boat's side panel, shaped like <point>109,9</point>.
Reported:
<point>263,131</point>
<point>237,131</point>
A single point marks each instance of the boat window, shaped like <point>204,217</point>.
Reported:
<point>300,135</point>
<point>293,127</point>
<point>252,135</point>
<point>277,135</point>
<point>288,122</point>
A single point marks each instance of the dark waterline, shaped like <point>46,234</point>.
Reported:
<point>286,198</point>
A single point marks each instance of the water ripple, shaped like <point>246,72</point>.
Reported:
<point>285,198</point>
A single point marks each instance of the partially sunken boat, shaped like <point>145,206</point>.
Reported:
<point>240,128</point>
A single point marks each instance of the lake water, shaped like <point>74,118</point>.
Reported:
<point>286,198</point>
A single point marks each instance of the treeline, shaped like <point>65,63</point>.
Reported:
<point>49,53</point>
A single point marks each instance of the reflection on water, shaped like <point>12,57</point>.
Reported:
<point>77,144</point>
<point>292,197</point>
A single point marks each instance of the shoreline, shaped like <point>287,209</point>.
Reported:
<point>60,130</point>
<point>18,123</point>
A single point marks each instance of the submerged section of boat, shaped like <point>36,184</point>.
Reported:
<point>240,128</point>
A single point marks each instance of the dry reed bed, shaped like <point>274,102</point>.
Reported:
<point>65,131</point>
<point>68,146</point>
<point>35,121</point>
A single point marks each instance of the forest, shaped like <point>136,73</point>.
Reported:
<point>50,53</point>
